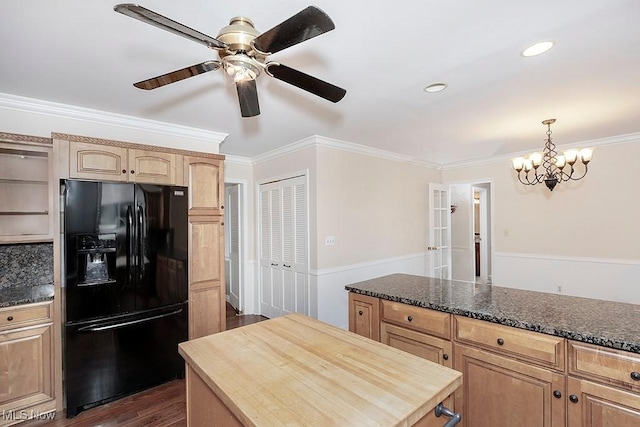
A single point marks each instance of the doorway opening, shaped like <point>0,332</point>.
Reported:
<point>234,247</point>
<point>471,231</point>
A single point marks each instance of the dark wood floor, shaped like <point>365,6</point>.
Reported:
<point>162,406</point>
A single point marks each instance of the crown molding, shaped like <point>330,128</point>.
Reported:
<point>238,160</point>
<point>321,141</point>
<point>38,106</point>
<point>610,140</point>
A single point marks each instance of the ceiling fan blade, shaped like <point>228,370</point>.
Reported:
<point>306,82</point>
<point>248,97</point>
<point>176,76</point>
<point>304,25</point>
<point>150,17</point>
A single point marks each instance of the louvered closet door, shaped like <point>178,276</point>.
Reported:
<point>283,259</point>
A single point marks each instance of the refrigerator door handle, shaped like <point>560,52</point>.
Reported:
<point>141,238</point>
<point>130,243</point>
<point>93,328</point>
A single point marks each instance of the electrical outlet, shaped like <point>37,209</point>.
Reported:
<point>329,240</point>
<point>559,289</point>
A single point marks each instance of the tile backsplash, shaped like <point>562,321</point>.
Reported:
<point>26,265</point>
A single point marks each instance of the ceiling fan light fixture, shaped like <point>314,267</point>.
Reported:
<point>241,67</point>
<point>538,48</point>
<point>435,87</point>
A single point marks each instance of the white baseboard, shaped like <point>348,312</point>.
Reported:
<point>606,279</point>
<point>327,285</point>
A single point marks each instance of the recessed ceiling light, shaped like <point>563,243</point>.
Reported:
<point>436,87</point>
<point>537,48</point>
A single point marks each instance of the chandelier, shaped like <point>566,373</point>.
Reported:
<point>554,165</point>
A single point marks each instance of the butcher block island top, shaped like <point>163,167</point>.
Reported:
<point>295,370</point>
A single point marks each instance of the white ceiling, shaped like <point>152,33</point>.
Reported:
<point>82,53</point>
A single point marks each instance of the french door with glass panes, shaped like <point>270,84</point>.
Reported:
<point>439,231</point>
<point>284,247</point>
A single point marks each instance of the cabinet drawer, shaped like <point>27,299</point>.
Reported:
<point>534,347</point>
<point>605,365</point>
<point>21,315</point>
<point>420,319</point>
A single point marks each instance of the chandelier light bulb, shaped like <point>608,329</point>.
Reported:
<point>536,159</point>
<point>528,165</point>
<point>560,161</point>
<point>571,156</point>
<point>585,155</point>
<point>518,163</point>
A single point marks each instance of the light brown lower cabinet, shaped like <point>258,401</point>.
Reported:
<point>501,392</point>
<point>364,316</point>
<point>596,405</point>
<point>422,345</point>
<point>26,366</point>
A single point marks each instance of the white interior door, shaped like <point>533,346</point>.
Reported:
<point>439,231</point>
<point>283,259</point>
<point>232,222</point>
<point>484,233</point>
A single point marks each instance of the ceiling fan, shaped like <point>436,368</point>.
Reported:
<point>242,51</point>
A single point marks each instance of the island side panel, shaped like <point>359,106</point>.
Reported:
<point>204,408</point>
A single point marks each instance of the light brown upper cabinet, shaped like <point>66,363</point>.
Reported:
<point>25,189</point>
<point>205,179</point>
<point>115,163</point>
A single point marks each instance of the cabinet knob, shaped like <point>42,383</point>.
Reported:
<point>221,207</point>
<point>445,356</point>
<point>409,318</point>
<point>360,312</point>
<point>132,172</point>
<point>500,341</point>
<point>635,376</point>
<point>124,171</point>
<point>557,394</point>
<point>10,318</point>
<point>573,398</point>
<point>222,223</point>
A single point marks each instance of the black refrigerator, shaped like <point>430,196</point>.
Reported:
<point>125,294</point>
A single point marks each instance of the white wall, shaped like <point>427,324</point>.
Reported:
<point>377,209</point>
<point>584,236</point>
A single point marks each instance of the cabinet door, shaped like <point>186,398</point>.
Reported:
<point>422,345</point>
<point>205,180</point>
<point>207,311</point>
<point>154,167</point>
<point>595,405</point>
<point>100,162</point>
<point>364,316</point>
<point>502,392</point>
<point>26,370</point>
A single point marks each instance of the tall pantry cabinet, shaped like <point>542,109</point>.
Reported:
<point>207,304</point>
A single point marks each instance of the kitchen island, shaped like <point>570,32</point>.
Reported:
<point>294,370</point>
<point>527,358</point>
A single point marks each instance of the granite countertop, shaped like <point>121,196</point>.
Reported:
<point>25,295</point>
<point>26,273</point>
<point>604,323</point>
